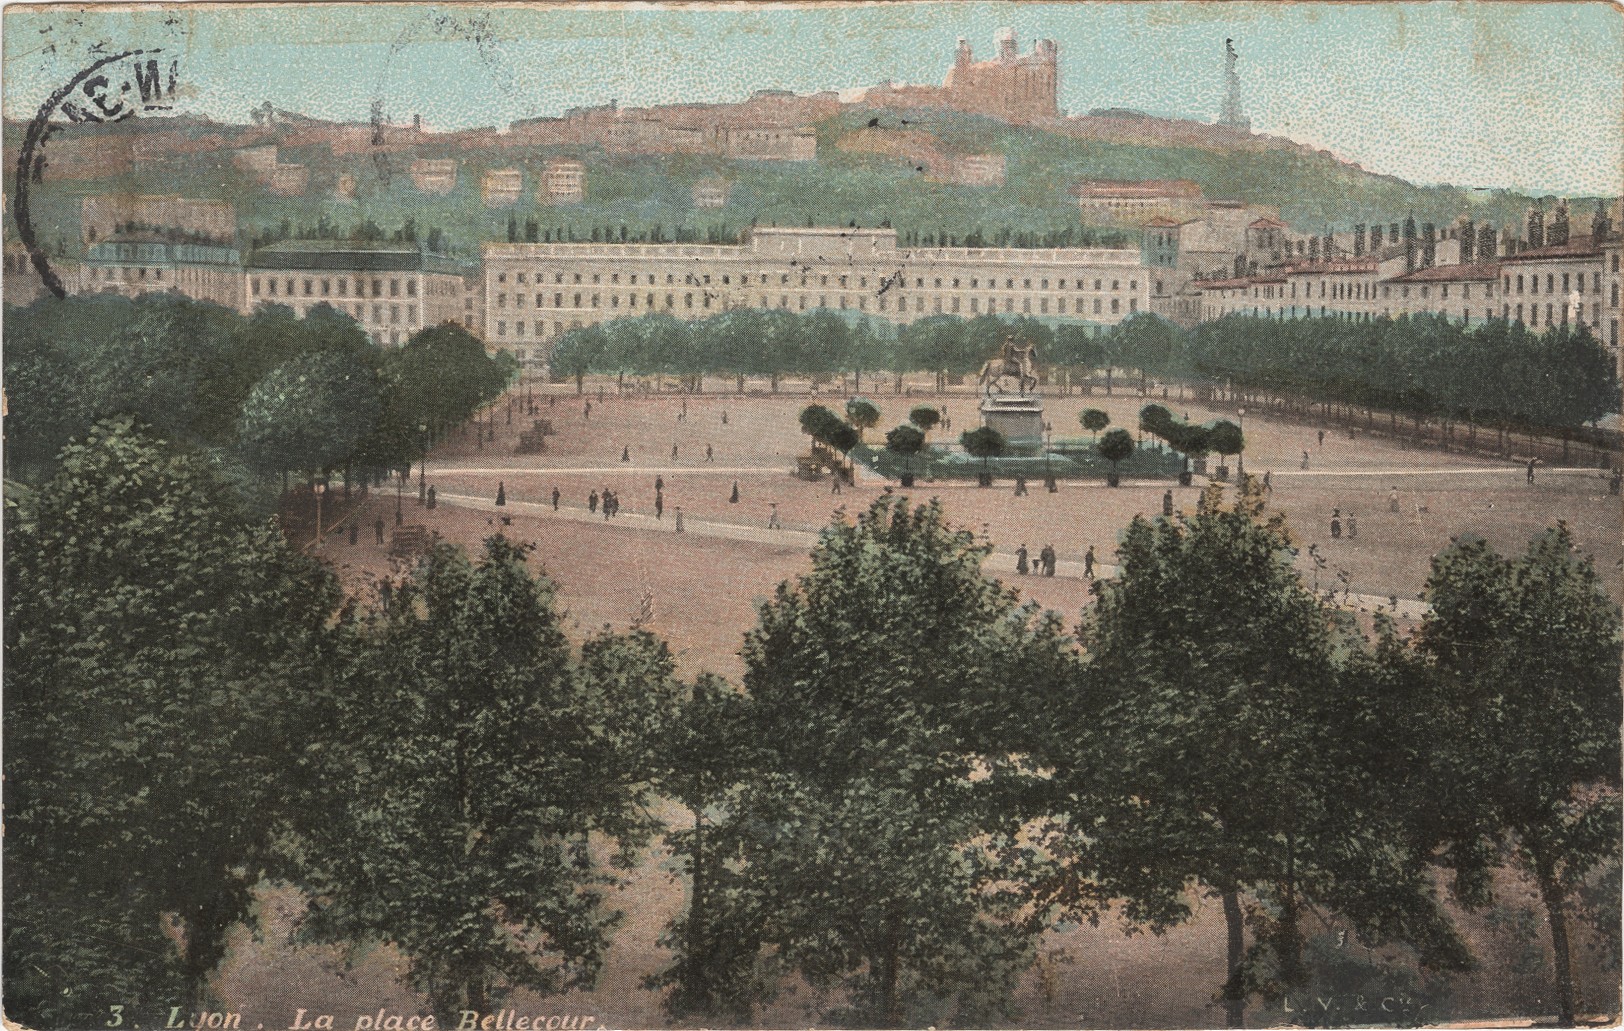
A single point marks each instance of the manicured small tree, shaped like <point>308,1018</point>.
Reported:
<point>1114,447</point>
<point>925,417</point>
<point>862,414</point>
<point>1225,438</point>
<point>905,442</point>
<point>1156,420</point>
<point>984,443</point>
<point>1094,420</point>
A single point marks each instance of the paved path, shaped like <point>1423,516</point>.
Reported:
<point>802,540</point>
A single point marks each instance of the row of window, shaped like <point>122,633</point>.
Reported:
<point>745,279</point>
<point>381,314</point>
<point>328,287</point>
<point>1570,283</point>
<point>650,301</point>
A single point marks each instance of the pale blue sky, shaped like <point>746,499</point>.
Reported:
<point>1525,96</point>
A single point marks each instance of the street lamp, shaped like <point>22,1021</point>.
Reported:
<point>422,466</point>
<point>1240,459</point>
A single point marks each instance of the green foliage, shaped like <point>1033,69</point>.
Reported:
<point>1116,445</point>
<point>1225,438</point>
<point>162,653</point>
<point>1094,420</point>
<point>1528,655</point>
<point>983,442</point>
<point>863,414</point>
<point>879,875</point>
<point>466,763</point>
<point>926,417</point>
<point>309,414</point>
<point>905,441</point>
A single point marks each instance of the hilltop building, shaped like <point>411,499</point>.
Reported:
<point>563,182</point>
<point>102,216</point>
<point>430,176</point>
<point>1012,86</point>
<point>502,187</point>
<point>1111,199</point>
<point>711,193</point>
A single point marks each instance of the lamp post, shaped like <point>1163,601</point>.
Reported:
<point>422,466</point>
<point>321,488</point>
<point>1240,459</point>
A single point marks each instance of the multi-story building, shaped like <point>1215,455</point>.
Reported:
<point>769,143</point>
<point>711,193</point>
<point>104,215</point>
<point>1556,284</point>
<point>1611,284</point>
<point>563,181</point>
<point>289,180</point>
<point>502,187</point>
<point>1013,86</point>
<point>431,176</point>
<point>1111,199</point>
<point>392,290</point>
<point>537,292</point>
<point>135,263</point>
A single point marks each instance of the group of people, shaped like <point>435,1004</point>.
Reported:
<point>1353,522</point>
<point>610,501</point>
<point>1045,563</point>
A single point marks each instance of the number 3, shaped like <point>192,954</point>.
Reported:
<point>116,1016</point>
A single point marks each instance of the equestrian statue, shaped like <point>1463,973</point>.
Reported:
<point>1015,360</point>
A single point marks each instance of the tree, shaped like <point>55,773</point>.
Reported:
<point>862,414</point>
<point>1226,747</point>
<point>1094,420</point>
<point>480,868</point>
<point>926,417</point>
<point>1116,445</point>
<point>162,656</point>
<point>309,414</point>
<point>876,875</point>
<point>983,442</point>
<point>1225,438</point>
<point>905,442</point>
<point>1528,650</point>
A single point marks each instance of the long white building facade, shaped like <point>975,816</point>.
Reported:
<point>536,292</point>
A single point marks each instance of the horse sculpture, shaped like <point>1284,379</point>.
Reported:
<point>1019,362</point>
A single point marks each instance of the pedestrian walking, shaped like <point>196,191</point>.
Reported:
<point>608,505</point>
<point>1353,525</point>
<point>1268,488</point>
<point>673,452</point>
<point>724,417</point>
<point>386,593</point>
<point>659,484</point>
<point>555,499</point>
<point>1617,482</point>
<point>659,504</point>
<point>1167,503</point>
<point>377,529</point>
<point>1047,557</point>
<point>1392,500</point>
<point>592,502</point>
<point>1088,562</point>
<point>684,416</point>
<point>1021,565</point>
<point>1305,459</point>
<point>1531,462</point>
<point>587,411</point>
<point>680,527</point>
<point>733,499</point>
<point>710,456</point>
<point>1020,486</point>
<point>432,500</point>
<point>1336,526</point>
<point>355,532</point>
<point>834,483</point>
<point>1322,438</point>
<point>501,493</point>
<point>626,453</point>
<point>772,520</point>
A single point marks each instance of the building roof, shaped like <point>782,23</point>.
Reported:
<point>1221,284</point>
<point>1267,222</point>
<point>350,256</point>
<point>1577,247</point>
<point>1332,268</point>
<point>1486,270</point>
<point>1137,188</point>
<point>1162,222</point>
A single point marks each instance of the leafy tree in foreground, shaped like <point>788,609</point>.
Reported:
<point>160,651</point>
<point>1224,748</point>
<point>1094,420</point>
<point>905,442</point>
<point>1115,446</point>
<point>474,761</point>
<point>1528,650</point>
<point>984,442</point>
<point>926,417</point>
<point>884,688</point>
<point>309,414</point>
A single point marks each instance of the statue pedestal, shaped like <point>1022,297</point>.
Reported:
<point>1014,416</point>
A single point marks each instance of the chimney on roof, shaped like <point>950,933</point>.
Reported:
<point>1601,227</point>
<point>417,123</point>
<point>962,56</point>
<point>1359,240</point>
<point>1314,249</point>
<point>1006,44</point>
<point>1559,225</point>
<point>1409,243</point>
<point>1429,245</point>
<point>1468,242</point>
<point>1536,227</point>
<point>1486,249</point>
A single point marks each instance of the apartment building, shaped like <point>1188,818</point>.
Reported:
<point>392,290</point>
<point>135,263</point>
<point>537,292</point>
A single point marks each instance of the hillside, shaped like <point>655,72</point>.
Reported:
<point>650,195</point>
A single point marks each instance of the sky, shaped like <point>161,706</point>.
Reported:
<point>1525,96</point>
